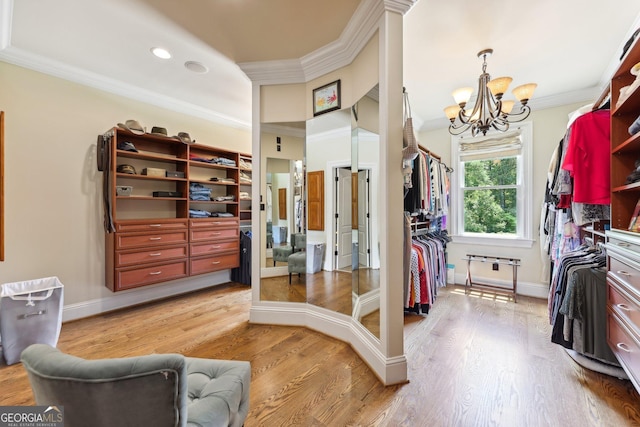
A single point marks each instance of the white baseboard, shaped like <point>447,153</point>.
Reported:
<point>536,290</point>
<point>144,294</point>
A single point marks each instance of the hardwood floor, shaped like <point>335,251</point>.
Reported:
<point>473,361</point>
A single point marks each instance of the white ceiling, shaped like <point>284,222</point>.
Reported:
<point>568,47</point>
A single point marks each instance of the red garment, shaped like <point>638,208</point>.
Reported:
<point>587,158</point>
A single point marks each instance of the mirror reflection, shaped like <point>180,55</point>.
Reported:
<point>322,216</point>
<point>282,211</point>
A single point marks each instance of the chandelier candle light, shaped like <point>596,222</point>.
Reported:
<point>489,111</point>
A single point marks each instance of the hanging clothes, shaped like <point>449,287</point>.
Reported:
<point>577,304</point>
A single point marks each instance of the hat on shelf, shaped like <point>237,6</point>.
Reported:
<point>127,146</point>
<point>126,169</point>
<point>132,126</point>
<point>159,131</point>
<point>184,138</point>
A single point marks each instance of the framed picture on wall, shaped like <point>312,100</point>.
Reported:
<point>326,98</point>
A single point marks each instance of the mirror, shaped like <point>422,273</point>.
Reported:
<point>366,151</point>
<point>282,209</point>
<point>328,153</point>
<point>338,213</point>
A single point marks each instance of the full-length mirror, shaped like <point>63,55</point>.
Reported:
<point>365,164</point>
<point>321,240</point>
<point>282,211</point>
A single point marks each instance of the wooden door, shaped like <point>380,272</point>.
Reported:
<point>315,189</point>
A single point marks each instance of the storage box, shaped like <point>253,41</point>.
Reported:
<point>123,190</point>
<point>154,172</point>
<point>175,174</point>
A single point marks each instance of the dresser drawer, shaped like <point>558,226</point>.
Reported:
<point>624,303</point>
<point>624,272</point>
<point>137,240</point>
<point>214,223</point>
<point>214,263</point>
<point>215,248</point>
<point>159,225</point>
<point>623,244</point>
<point>133,278</point>
<point>215,234</point>
<point>126,258</point>
<point>624,345</point>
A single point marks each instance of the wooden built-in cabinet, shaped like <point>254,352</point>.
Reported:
<point>623,246</point>
<point>155,238</point>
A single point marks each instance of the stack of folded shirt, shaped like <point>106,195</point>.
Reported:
<point>229,198</point>
<point>223,161</point>
<point>199,192</point>
<point>197,213</point>
<point>245,177</point>
<point>225,214</point>
<point>244,195</point>
<point>245,164</point>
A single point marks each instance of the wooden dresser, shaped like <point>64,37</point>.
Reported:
<point>623,247</point>
<point>159,231</point>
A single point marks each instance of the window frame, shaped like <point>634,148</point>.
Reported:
<point>524,221</point>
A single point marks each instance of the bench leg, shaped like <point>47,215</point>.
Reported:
<point>289,278</point>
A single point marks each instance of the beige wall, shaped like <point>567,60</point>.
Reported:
<point>53,221</point>
<point>549,126</point>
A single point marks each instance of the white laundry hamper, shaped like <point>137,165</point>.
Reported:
<point>30,313</point>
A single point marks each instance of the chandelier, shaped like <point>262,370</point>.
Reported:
<point>489,111</point>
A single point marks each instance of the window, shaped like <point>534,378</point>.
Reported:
<point>491,188</point>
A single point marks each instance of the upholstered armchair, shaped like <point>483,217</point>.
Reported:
<point>297,261</point>
<point>298,243</point>
<point>153,390</point>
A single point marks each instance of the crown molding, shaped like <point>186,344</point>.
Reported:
<point>339,53</point>
<point>6,16</point>
<point>47,66</point>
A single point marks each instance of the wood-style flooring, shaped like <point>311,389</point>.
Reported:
<point>473,361</point>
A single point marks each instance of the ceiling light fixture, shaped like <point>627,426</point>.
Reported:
<point>489,111</point>
<point>160,52</point>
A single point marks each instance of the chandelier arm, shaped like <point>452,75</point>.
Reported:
<point>516,117</point>
<point>458,130</point>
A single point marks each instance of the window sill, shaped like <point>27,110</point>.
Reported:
<point>514,242</point>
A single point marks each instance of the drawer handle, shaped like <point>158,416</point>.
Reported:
<point>215,246</point>
<point>215,262</point>
<point>622,346</point>
<point>156,254</point>
<point>623,307</point>
<point>216,234</point>
<point>155,225</point>
<point>624,245</point>
<point>624,273</point>
<point>216,223</point>
<point>155,273</point>
<point>155,238</point>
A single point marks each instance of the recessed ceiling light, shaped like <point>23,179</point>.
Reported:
<point>196,67</point>
<point>160,52</point>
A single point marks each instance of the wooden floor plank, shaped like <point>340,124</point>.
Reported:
<point>472,361</point>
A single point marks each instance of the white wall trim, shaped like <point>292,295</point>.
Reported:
<point>146,294</point>
<point>337,54</point>
<point>529,289</point>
